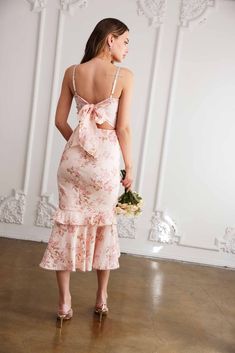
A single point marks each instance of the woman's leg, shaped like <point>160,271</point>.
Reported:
<point>63,281</point>
<point>103,278</point>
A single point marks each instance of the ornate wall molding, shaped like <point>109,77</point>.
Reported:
<point>154,10</point>
<point>70,5</point>
<point>126,227</point>
<point>12,207</point>
<point>163,229</point>
<point>192,10</point>
<point>37,5</point>
<point>227,243</point>
<point>45,211</point>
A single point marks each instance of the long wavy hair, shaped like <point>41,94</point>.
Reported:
<point>97,40</point>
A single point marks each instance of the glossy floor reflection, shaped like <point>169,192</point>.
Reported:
<point>155,306</point>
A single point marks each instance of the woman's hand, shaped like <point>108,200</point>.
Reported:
<point>127,182</point>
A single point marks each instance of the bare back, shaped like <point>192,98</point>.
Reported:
<point>94,81</point>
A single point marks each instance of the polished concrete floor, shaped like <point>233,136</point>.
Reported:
<point>156,306</point>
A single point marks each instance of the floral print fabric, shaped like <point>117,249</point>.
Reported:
<point>84,234</point>
<point>80,247</point>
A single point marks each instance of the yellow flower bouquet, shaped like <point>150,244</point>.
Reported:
<point>130,202</point>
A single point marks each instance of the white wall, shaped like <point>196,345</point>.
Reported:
<point>183,55</point>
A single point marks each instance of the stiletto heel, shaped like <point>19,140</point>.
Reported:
<point>61,319</point>
<point>103,310</point>
<point>65,316</point>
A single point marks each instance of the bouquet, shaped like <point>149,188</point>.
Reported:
<point>130,202</point>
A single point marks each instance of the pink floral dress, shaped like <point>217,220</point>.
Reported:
<point>84,234</point>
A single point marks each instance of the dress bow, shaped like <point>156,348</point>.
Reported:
<point>86,134</point>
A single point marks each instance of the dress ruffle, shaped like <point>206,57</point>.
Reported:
<point>76,247</point>
<point>74,217</point>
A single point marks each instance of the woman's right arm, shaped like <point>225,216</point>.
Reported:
<point>123,129</point>
<point>64,105</point>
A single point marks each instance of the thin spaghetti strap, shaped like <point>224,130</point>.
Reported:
<point>74,86</point>
<point>115,81</point>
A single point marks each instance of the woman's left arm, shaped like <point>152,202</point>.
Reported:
<point>64,105</point>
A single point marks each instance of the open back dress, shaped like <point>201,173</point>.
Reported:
<point>84,233</point>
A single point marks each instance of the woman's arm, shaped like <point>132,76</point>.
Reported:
<point>123,129</point>
<point>64,105</point>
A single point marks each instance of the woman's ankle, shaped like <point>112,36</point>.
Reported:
<point>101,295</point>
<point>65,299</point>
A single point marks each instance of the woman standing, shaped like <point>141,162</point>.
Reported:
<point>84,235</point>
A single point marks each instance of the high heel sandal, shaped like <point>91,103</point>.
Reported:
<point>101,310</point>
<point>64,315</point>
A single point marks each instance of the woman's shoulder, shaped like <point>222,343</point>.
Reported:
<point>68,71</point>
<point>126,74</point>
<point>71,67</point>
<point>126,71</point>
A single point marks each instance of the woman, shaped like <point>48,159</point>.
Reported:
<point>84,235</point>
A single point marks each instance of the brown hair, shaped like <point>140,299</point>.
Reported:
<point>97,39</point>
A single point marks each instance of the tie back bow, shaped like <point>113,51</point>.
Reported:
<point>86,134</point>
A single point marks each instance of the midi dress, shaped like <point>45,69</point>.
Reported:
<point>84,233</point>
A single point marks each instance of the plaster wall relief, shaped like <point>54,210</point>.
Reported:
<point>37,5</point>
<point>154,10</point>
<point>227,242</point>
<point>194,11</point>
<point>12,207</point>
<point>45,211</point>
<point>126,227</point>
<point>70,6</point>
<point>163,227</point>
